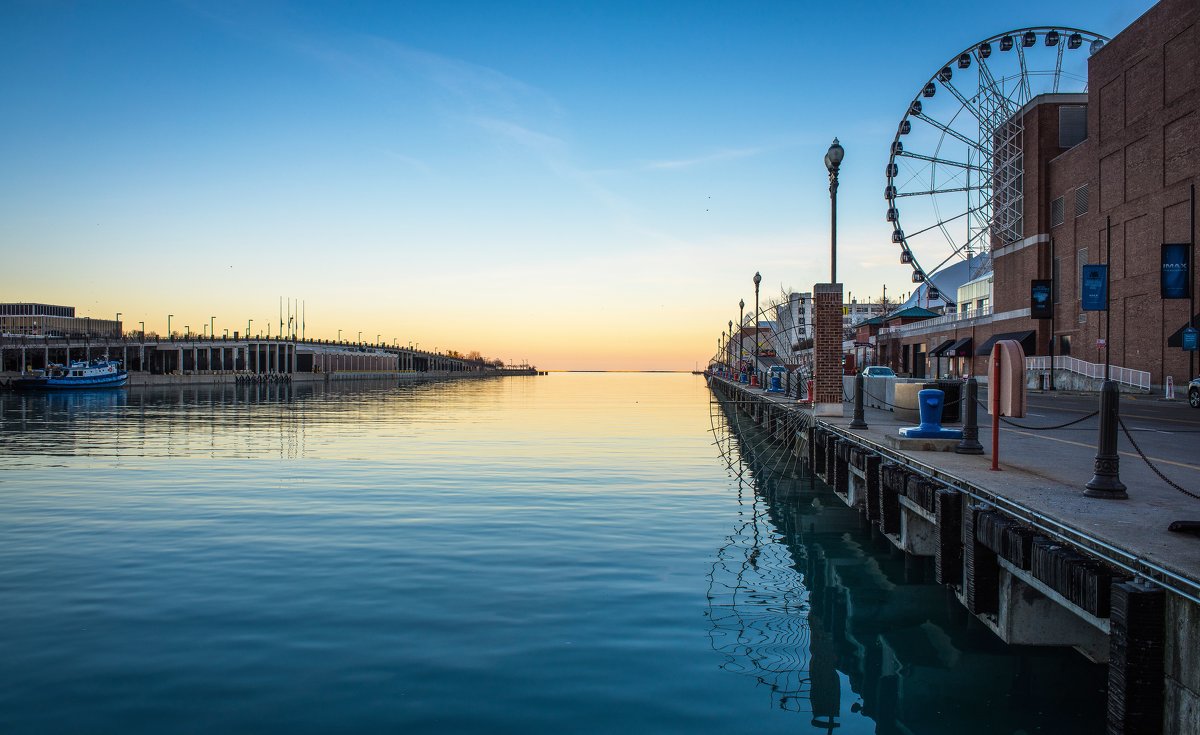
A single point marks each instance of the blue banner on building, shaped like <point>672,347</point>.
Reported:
<point>1041,293</point>
<point>1095,288</point>
<point>1176,271</point>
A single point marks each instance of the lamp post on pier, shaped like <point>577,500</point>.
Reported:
<point>170,335</point>
<point>757,280</point>
<point>833,162</point>
<point>741,341</point>
<point>729,352</point>
<point>119,330</point>
<point>248,323</point>
<point>212,331</point>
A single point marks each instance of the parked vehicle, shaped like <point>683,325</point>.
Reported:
<point>878,371</point>
<point>1194,393</point>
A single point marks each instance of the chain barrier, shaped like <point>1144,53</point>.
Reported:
<point>1010,422</point>
<point>947,404</point>
<point>1161,476</point>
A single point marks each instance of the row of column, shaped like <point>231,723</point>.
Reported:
<point>256,357</point>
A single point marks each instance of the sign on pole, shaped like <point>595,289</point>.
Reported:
<point>1176,281</point>
<point>1095,287</point>
<point>1041,298</point>
<point>1190,338</point>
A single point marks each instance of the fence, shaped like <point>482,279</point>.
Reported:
<point>1125,376</point>
<point>954,318</point>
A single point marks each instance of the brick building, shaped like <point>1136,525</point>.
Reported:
<point>1125,153</point>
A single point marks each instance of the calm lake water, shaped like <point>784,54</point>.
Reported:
<point>574,553</point>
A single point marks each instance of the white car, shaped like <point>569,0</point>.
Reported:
<point>878,371</point>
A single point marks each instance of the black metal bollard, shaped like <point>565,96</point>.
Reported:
<point>970,441</point>
<point>1106,479</point>
<point>860,418</point>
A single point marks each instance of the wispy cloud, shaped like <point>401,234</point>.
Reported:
<point>537,141</point>
<point>728,154</point>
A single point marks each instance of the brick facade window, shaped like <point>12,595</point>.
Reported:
<point>1057,212</point>
<point>1081,201</point>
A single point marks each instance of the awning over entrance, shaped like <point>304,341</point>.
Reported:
<point>937,351</point>
<point>1025,338</point>
<point>961,348</point>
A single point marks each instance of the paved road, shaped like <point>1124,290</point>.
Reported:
<point>1167,431</point>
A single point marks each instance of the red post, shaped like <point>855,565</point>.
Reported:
<point>995,391</point>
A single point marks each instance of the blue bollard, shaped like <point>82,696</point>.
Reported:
<point>930,404</point>
<point>775,382</point>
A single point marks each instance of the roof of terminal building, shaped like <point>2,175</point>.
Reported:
<point>912,312</point>
<point>879,319</point>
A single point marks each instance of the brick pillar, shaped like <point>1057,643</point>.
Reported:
<point>827,349</point>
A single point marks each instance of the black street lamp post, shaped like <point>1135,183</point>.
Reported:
<point>833,162</point>
<point>741,327</point>
<point>757,280</point>
<point>730,350</point>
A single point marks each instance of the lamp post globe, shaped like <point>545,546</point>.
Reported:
<point>834,156</point>
<point>833,162</point>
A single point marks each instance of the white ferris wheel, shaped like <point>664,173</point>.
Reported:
<point>955,174</point>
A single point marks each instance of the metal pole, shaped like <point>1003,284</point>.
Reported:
<point>970,441</point>
<point>1192,276</point>
<point>729,344</point>
<point>757,279</point>
<point>1106,476</point>
<point>741,328</point>
<point>860,419</point>
<point>1107,295</point>
<point>1053,309</point>
<point>833,187</point>
<point>994,391</point>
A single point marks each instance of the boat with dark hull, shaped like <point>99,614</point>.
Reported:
<point>78,375</point>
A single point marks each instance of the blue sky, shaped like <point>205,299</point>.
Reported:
<point>586,185</point>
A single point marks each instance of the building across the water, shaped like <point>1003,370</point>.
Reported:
<point>50,320</point>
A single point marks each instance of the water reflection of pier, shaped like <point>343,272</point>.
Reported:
<point>807,598</point>
<point>254,419</point>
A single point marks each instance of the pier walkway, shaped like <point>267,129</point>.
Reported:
<point>1045,471</point>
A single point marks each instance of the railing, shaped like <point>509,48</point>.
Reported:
<point>1125,376</point>
<point>955,318</point>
